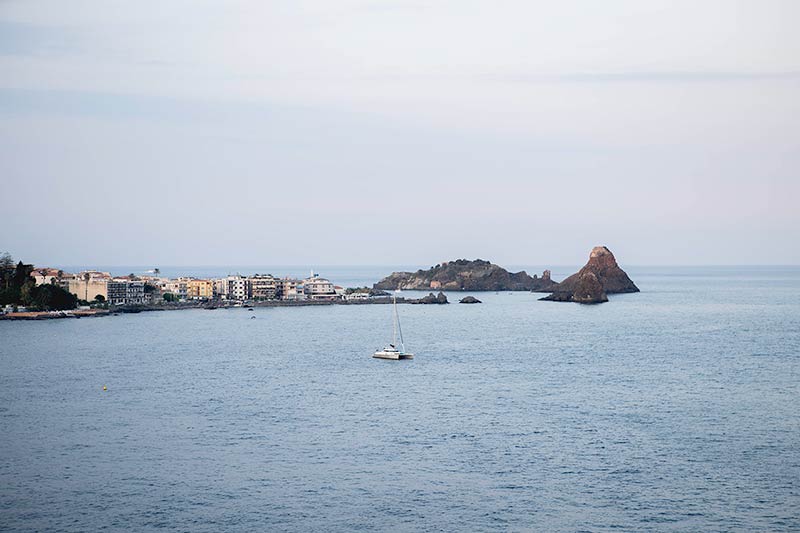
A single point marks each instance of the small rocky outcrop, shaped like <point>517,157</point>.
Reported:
<point>431,299</point>
<point>543,284</point>
<point>463,275</point>
<point>600,276</point>
<point>469,300</point>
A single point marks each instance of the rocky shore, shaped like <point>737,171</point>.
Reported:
<point>50,315</point>
<point>438,299</point>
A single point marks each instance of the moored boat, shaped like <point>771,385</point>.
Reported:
<point>391,351</point>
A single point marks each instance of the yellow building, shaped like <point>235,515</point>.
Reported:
<point>199,289</point>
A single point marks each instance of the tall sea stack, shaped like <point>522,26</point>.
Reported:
<point>601,275</point>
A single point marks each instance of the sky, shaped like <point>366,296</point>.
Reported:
<point>396,133</point>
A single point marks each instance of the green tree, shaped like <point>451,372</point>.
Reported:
<point>52,298</point>
<point>6,269</point>
<point>22,273</point>
<point>26,293</point>
<point>100,298</point>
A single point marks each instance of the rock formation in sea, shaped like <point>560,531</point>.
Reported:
<point>600,276</point>
<point>586,290</point>
<point>543,284</point>
<point>465,275</point>
<point>430,299</point>
<point>469,300</point>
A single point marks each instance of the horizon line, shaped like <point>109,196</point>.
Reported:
<point>316,265</point>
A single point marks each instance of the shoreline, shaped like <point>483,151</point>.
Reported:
<point>205,305</point>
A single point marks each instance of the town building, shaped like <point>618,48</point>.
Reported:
<point>199,289</point>
<point>291,289</point>
<point>220,288</point>
<point>126,292</point>
<point>317,288</point>
<point>263,287</point>
<point>178,287</point>
<point>239,288</point>
<point>86,289</point>
<point>46,276</point>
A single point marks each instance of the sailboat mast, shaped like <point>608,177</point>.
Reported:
<point>397,325</point>
<point>394,319</point>
<point>399,330</point>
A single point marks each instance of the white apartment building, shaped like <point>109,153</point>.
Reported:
<point>238,288</point>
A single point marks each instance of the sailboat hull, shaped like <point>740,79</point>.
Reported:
<point>392,355</point>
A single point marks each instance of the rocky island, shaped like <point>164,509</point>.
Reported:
<point>599,277</point>
<point>465,275</point>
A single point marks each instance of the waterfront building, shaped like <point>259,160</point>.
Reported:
<point>220,288</point>
<point>317,288</point>
<point>179,287</point>
<point>263,287</point>
<point>291,289</point>
<point>126,292</point>
<point>199,289</point>
<point>239,288</point>
<point>86,289</point>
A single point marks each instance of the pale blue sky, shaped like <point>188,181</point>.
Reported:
<point>369,132</point>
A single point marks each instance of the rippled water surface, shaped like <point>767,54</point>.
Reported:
<point>676,409</point>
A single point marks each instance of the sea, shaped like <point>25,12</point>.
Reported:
<point>674,409</point>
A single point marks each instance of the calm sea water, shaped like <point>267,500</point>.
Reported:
<point>676,409</point>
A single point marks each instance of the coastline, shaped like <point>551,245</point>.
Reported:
<point>206,305</point>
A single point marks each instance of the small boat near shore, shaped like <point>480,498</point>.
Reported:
<point>391,351</point>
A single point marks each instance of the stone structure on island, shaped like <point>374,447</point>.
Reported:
<point>469,300</point>
<point>465,275</point>
<point>599,277</point>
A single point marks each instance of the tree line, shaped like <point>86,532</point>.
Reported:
<point>17,287</point>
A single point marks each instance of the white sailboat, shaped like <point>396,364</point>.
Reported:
<point>391,351</point>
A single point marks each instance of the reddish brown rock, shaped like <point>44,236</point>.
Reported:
<point>601,276</point>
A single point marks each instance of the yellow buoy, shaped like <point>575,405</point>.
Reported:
<point>104,387</point>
